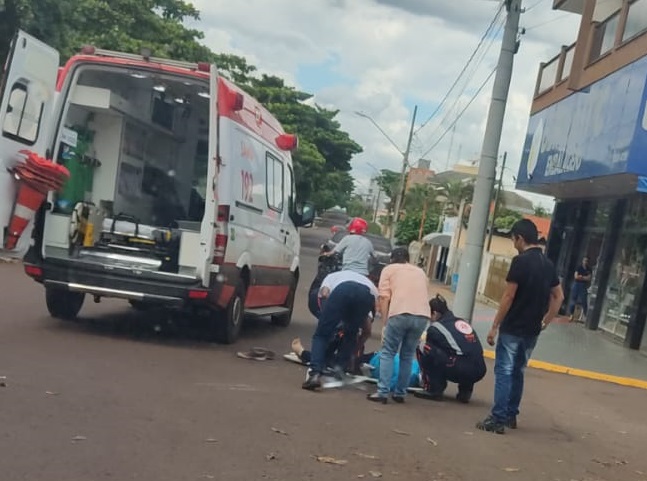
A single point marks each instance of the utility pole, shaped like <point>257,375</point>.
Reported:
<point>470,265</point>
<point>403,175</point>
<point>496,202</point>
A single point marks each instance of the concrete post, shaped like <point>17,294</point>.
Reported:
<point>470,265</point>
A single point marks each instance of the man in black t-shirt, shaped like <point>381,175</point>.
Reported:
<point>579,291</point>
<point>530,302</point>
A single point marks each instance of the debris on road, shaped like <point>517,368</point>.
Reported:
<point>78,438</point>
<point>271,456</point>
<point>330,460</point>
<point>375,474</point>
<point>401,433</point>
<point>52,393</point>
<point>511,470</point>
<point>280,431</point>
<point>210,440</point>
<point>3,381</point>
<point>366,456</point>
<point>432,442</point>
<point>257,354</point>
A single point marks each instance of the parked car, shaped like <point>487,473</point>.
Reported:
<point>381,245</point>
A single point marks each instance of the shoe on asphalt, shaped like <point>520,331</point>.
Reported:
<point>464,397</point>
<point>397,398</point>
<point>491,425</point>
<point>511,422</point>
<point>376,398</point>
<point>312,383</point>
<point>430,396</point>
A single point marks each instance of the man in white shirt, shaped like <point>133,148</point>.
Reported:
<point>348,297</point>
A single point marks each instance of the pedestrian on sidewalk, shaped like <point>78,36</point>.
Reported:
<point>349,298</point>
<point>530,302</point>
<point>579,291</point>
<point>404,306</point>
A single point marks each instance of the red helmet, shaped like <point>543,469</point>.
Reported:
<point>358,226</point>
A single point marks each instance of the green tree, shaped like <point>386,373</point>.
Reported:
<point>505,219</point>
<point>420,197</point>
<point>408,228</point>
<point>452,192</point>
<point>322,162</point>
<point>541,211</point>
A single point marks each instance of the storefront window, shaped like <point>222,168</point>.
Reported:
<point>628,271</point>
<point>636,20</point>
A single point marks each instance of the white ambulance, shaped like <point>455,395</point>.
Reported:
<point>181,191</point>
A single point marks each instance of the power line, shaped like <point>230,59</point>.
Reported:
<point>483,38</point>
<point>460,114</point>
<point>561,17</point>
<point>459,97</point>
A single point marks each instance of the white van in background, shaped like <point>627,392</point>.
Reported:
<point>181,191</point>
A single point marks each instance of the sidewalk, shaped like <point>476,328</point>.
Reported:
<point>569,349</point>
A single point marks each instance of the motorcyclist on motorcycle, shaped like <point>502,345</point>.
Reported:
<point>357,250</point>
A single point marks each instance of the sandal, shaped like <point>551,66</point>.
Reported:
<point>257,354</point>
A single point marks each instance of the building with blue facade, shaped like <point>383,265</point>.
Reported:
<point>586,145</point>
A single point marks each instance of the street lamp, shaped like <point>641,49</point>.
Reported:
<point>405,162</point>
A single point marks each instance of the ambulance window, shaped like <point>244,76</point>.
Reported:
<point>22,119</point>
<point>274,179</point>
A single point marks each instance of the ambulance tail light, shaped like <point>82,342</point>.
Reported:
<point>220,247</point>
<point>287,142</point>
<point>88,50</point>
<point>204,67</point>
<point>34,271</point>
<point>198,294</point>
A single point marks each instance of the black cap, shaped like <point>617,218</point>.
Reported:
<point>400,255</point>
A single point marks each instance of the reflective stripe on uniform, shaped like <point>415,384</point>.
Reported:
<point>448,336</point>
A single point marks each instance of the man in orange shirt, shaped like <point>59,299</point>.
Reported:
<point>404,307</point>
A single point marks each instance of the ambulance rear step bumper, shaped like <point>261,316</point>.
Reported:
<point>116,293</point>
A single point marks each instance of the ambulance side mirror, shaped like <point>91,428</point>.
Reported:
<point>305,214</point>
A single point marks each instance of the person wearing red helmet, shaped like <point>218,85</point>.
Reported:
<point>356,249</point>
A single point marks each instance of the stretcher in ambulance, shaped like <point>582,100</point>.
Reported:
<point>180,191</point>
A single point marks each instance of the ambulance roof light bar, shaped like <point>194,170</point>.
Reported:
<point>146,57</point>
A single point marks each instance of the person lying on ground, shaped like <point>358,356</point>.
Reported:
<point>452,352</point>
<point>370,362</point>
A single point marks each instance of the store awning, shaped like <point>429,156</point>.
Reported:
<point>438,239</point>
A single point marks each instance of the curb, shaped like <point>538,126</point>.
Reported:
<point>596,376</point>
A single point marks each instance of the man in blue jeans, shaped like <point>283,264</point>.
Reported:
<point>404,306</point>
<point>350,298</point>
<point>531,300</point>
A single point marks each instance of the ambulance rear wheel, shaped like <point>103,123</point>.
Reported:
<point>63,304</point>
<point>229,322</point>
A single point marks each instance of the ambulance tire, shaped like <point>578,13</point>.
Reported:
<point>229,322</point>
<point>62,304</point>
<point>283,320</point>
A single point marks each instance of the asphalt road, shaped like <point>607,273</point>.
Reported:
<point>110,397</point>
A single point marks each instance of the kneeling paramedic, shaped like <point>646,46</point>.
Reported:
<point>452,352</point>
<point>348,297</point>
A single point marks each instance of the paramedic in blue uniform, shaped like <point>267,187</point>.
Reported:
<point>452,352</point>
<point>348,297</point>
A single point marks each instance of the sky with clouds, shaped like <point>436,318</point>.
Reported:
<point>383,57</point>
